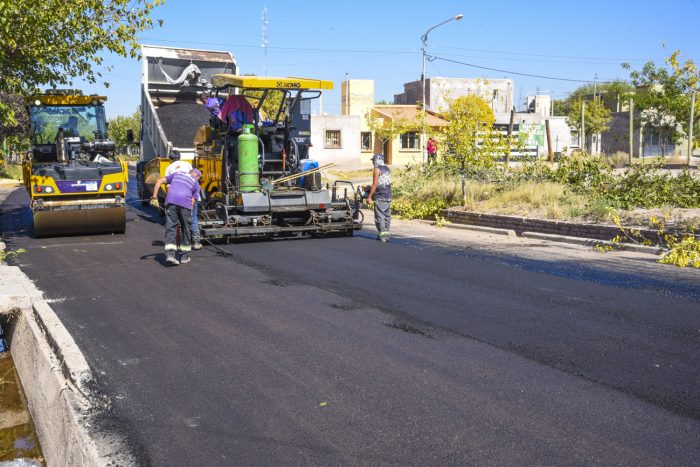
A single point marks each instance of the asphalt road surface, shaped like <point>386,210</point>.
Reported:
<point>348,351</point>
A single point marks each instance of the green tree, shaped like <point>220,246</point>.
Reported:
<point>688,76</point>
<point>595,116</point>
<point>612,94</point>
<point>18,125</point>
<point>470,139</point>
<point>663,95</point>
<point>49,42</point>
<point>119,126</point>
<point>14,130</point>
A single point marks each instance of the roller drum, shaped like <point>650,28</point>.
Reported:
<point>79,221</point>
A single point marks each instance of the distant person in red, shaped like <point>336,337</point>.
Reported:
<point>432,150</point>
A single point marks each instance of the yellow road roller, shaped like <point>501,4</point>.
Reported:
<point>75,182</point>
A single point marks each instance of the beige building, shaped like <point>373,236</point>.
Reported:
<point>347,140</point>
<point>406,148</point>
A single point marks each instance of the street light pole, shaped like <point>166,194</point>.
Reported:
<point>424,40</point>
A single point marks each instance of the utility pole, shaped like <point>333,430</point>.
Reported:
<point>583,125</point>
<point>595,85</point>
<point>690,127</point>
<point>424,40</point>
<point>549,141</point>
<point>510,136</point>
<point>631,129</point>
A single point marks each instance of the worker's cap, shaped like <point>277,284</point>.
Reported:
<point>196,172</point>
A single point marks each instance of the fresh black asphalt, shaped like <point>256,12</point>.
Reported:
<point>350,351</point>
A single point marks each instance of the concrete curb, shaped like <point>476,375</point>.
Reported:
<point>592,242</point>
<point>56,380</point>
<point>476,228</point>
<point>480,228</point>
<point>553,238</point>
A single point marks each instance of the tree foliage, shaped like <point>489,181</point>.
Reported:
<point>470,136</point>
<point>595,116</point>
<point>387,129</point>
<point>17,126</point>
<point>51,42</point>
<point>470,139</point>
<point>119,126</point>
<point>664,94</point>
<point>610,93</point>
<point>688,75</point>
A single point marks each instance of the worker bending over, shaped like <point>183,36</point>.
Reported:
<point>180,199</point>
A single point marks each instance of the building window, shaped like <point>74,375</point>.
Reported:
<point>332,139</point>
<point>366,140</point>
<point>410,140</point>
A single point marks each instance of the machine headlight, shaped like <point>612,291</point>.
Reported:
<point>37,102</point>
<point>48,189</point>
<point>109,187</point>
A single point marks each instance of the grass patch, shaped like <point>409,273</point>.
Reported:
<point>12,171</point>
<point>531,199</point>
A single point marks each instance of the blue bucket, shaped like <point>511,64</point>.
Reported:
<point>307,164</point>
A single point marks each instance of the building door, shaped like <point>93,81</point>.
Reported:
<point>386,150</point>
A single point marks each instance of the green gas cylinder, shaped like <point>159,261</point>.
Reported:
<point>248,176</point>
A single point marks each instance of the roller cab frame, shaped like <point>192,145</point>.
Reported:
<point>75,182</point>
<point>258,178</point>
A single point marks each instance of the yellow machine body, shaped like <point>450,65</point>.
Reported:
<point>75,182</point>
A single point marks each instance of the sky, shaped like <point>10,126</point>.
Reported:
<point>574,42</point>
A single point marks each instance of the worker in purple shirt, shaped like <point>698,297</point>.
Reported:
<point>182,194</point>
<point>212,104</point>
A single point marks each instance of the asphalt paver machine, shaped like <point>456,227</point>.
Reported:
<point>258,177</point>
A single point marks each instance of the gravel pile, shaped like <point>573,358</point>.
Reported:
<point>181,120</point>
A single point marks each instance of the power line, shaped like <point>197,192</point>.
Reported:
<point>540,60</point>
<point>285,48</point>
<point>544,55</point>
<point>431,58</point>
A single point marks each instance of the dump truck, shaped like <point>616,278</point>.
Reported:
<point>171,81</point>
<point>75,182</point>
<point>258,177</point>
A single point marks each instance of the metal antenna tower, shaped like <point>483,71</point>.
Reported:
<point>265,22</point>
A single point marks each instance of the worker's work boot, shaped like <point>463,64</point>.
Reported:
<point>197,244</point>
<point>185,258</point>
<point>171,259</point>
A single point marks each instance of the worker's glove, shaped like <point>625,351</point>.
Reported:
<point>154,203</point>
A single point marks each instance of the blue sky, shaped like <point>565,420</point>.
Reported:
<point>380,40</point>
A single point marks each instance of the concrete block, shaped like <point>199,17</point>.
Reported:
<point>13,295</point>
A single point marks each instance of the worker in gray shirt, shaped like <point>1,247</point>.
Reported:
<point>381,194</point>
